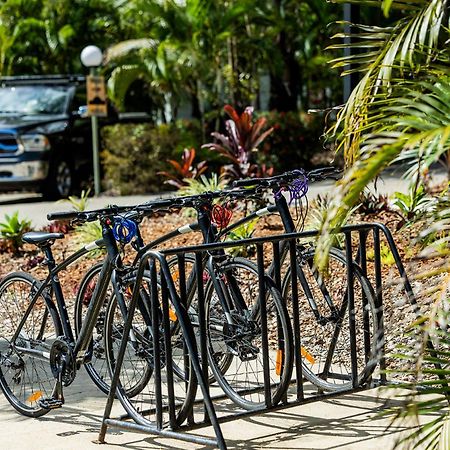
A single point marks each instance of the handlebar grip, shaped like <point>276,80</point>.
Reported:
<point>155,204</point>
<point>248,182</point>
<point>64,215</point>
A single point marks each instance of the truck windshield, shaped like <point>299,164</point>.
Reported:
<point>33,100</point>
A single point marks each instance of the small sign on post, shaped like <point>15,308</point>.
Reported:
<point>96,96</point>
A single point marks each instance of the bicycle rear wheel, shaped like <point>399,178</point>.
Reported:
<point>325,344</point>
<point>25,373</point>
<point>238,337</point>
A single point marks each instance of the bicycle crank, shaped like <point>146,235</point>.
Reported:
<point>62,362</point>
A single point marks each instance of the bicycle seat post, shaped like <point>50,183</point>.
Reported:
<point>49,260</point>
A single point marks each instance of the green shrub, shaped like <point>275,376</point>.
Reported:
<point>295,139</point>
<point>133,154</point>
<point>11,230</point>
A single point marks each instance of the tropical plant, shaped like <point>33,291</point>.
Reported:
<point>87,233</point>
<point>370,203</point>
<point>426,401</point>
<point>195,186</point>
<point>241,141</point>
<point>386,255</point>
<point>11,231</point>
<point>185,170</point>
<point>315,213</point>
<point>400,110</point>
<point>78,203</point>
<point>209,53</point>
<point>245,231</point>
<point>203,184</point>
<point>412,204</point>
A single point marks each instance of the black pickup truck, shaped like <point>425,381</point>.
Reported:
<point>45,136</point>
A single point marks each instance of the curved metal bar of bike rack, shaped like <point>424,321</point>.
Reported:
<point>192,350</point>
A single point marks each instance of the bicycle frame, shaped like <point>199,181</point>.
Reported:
<point>52,285</point>
<point>281,207</point>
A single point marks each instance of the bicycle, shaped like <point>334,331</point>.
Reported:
<point>228,304</point>
<point>38,352</point>
<point>323,300</point>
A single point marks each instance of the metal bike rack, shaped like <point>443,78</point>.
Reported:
<point>205,411</point>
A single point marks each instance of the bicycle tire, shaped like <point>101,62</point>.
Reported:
<point>246,388</point>
<point>142,402</point>
<point>98,367</point>
<point>41,327</point>
<point>316,338</point>
<point>192,308</point>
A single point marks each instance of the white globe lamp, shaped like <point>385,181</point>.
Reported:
<point>91,56</point>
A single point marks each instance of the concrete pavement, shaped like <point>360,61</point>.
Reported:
<point>350,422</point>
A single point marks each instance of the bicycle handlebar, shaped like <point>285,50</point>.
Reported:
<point>193,201</point>
<point>90,216</point>
<point>313,175</point>
<point>196,200</point>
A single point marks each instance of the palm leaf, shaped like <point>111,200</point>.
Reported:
<point>121,78</point>
<point>409,45</point>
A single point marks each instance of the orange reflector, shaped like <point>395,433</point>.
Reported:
<point>176,275</point>
<point>279,362</point>
<point>310,358</point>
<point>35,396</point>
<point>129,291</point>
<point>172,315</point>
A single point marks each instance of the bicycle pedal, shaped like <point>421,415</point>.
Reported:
<point>50,403</point>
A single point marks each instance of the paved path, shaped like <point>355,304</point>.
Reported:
<point>350,422</point>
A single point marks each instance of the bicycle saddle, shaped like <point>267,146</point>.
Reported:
<point>41,237</point>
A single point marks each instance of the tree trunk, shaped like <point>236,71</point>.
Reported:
<point>284,89</point>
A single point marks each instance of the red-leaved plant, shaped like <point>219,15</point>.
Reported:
<point>243,135</point>
<point>184,170</point>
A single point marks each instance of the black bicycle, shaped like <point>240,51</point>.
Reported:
<point>231,297</point>
<point>38,352</point>
<point>323,298</point>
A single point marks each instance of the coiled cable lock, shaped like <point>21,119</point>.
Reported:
<point>124,230</point>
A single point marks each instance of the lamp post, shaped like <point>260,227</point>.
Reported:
<point>91,56</point>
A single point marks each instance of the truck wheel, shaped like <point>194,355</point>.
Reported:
<point>60,180</point>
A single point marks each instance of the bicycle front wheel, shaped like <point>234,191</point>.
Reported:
<point>97,368</point>
<point>25,373</point>
<point>237,338</point>
<point>139,361</point>
<point>325,340</point>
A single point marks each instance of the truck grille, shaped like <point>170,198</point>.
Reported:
<point>8,142</point>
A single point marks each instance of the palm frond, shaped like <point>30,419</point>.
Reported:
<point>409,45</point>
<point>121,78</point>
<point>123,48</point>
